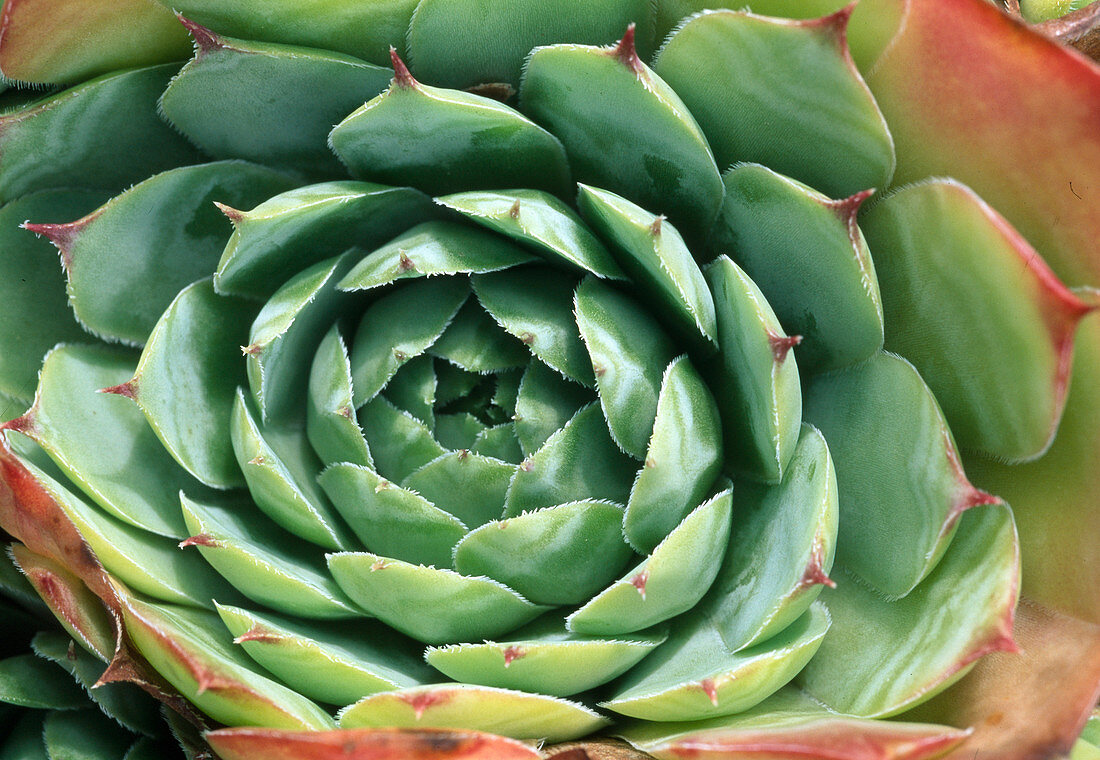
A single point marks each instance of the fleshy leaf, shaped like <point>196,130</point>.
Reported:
<point>694,675</point>
<point>183,645</point>
<point>881,657</point>
<point>431,605</point>
<point>291,231</point>
<point>62,41</point>
<point>545,402</point>
<point>95,437</point>
<point>683,459</point>
<point>280,469</point>
<point>481,708</point>
<point>263,562</point>
<point>557,555</point>
<point>399,442</point>
<point>580,461</point>
<point>29,681</point>
<point>900,494</point>
<point>636,139</point>
<point>760,401</point>
<point>269,103</point>
<point>543,657</point>
<point>441,141</point>
<point>726,66</point>
<point>476,343</point>
<point>629,353</point>
<point>187,377</point>
<point>382,743</point>
<point>58,142</point>
<point>470,42</point>
<point>84,735</point>
<point>123,271</point>
<point>390,520</point>
<point>331,426</point>
<point>542,318</point>
<point>337,663</point>
<point>434,248</point>
<point>809,259</point>
<point>652,252</point>
<point>956,276</point>
<point>33,306</point>
<point>469,486</point>
<point>543,223</point>
<point>668,582</point>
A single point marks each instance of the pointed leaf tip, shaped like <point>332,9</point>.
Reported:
<point>259,633</point>
<point>63,236</point>
<point>22,424</point>
<point>129,389</point>
<point>837,23</point>
<point>202,539</point>
<point>401,76</point>
<point>234,215</point>
<point>205,39</point>
<point>782,344</point>
<point>626,51</point>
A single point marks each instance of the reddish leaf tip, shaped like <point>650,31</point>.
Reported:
<point>710,689</point>
<point>422,701</point>
<point>655,228</point>
<point>205,39</point>
<point>835,23</point>
<point>252,349</point>
<point>260,634</point>
<point>512,653</point>
<point>129,389</point>
<point>63,236</point>
<point>23,424</point>
<point>234,215</point>
<point>782,344</point>
<point>639,581</point>
<point>514,211</point>
<point>627,52</point>
<point>815,574</point>
<point>405,264</point>
<point>202,539</point>
<point>401,76</point>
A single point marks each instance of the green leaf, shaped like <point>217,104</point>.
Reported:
<point>389,520</point>
<point>694,675</point>
<point>400,326</point>
<point>104,133</point>
<point>476,343</point>
<point>399,442</point>
<point>291,325</point>
<point>289,232</point>
<point>810,261</point>
<point>557,555</point>
<point>84,735</point>
<point>281,469</point>
<point>263,562</point>
<point>434,248</point>
<point>96,437</point>
<point>543,223</point>
<point>580,461</point>
<point>499,442</point>
<point>127,260</point>
<point>541,318</point>
<point>478,708</point>
<point>761,400</point>
<point>33,305</point>
<point>184,646</point>
<point>187,377</point>
<point>658,261</point>
<point>545,402</point>
<point>441,141</point>
<point>25,741</point>
<point>152,564</point>
<point>629,353</point>
<point>957,277</point>
<point>683,459</point>
<point>782,541</point>
<point>901,487</point>
<point>469,486</point>
<point>668,582</point>
<point>269,103</point>
<point>882,657</point>
<point>331,426</point>
<point>413,389</point>
<point>459,43</point>
<point>431,605</point>
<point>624,129</point>
<point>363,30</point>
<point>734,71</point>
<point>30,681</point>
<point>331,662</point>
<point>543,657</point>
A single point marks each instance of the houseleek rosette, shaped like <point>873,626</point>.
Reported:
<point>622,386</point>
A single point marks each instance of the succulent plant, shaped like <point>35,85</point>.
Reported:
<point>611,369</point>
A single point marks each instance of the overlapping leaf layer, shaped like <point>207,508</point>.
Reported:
<point>571,380</point>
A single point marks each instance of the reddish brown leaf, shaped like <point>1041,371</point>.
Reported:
<point>365,744</point>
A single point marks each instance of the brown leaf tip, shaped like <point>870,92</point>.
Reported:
<point>205,39</point>
<point>129,389</point>
<point>23,424</point>
<point>655,228</point>
<point>405,264</point>
<point>260,634</point>
<point>639,581</point>
<point>251,350</point>
<point>512,653</point>
<point>514,211</point>
<point>202,539</point>
<point>710,688</point>
<point>401,76</point>
<point>782,344</point>
<point>627,52</point>
<point>63,236</point>
<point>234,215</point>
